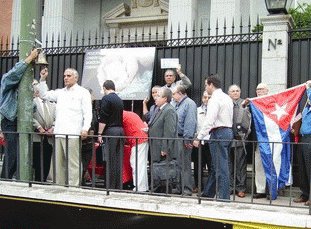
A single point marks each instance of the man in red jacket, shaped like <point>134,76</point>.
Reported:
<point>133,127</point>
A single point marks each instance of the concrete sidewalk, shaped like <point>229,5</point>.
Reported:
<point>237,213</point>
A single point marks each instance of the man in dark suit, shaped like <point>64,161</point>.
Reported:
<point>43,122</point>
<point>163,125</point>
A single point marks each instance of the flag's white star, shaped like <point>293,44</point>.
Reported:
<point>279,111</point>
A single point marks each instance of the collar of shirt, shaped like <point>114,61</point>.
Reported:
<point>202,109</point>
<point>162,107</point>
<point>71,88</point>
<point>178,104</point>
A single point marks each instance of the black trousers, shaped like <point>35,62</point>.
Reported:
<point>205,160</point>
<point>304,165</point>
<point>114,149</point>
<point>10,149</point>
<point>46,159</point>
<point>237,166</point>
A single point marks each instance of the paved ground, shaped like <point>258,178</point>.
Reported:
<point>241,211</point>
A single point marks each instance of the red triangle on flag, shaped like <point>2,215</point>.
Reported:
<point>281,107</point>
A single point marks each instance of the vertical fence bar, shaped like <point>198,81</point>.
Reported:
<point>54,157</point>
<point>253,168</point>
<point>67,162</point>
<point>80,162</point>
<point>136,165</point>
<point>30,160</point>
<point>200,172</point>
<point>234,169</point>
<point>94,162</point>
<point>107,155</point>
<point>41,158</point>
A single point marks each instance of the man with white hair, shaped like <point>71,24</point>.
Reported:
<point>241,129</point>
<point>73,118</point>
<point>260,176</point>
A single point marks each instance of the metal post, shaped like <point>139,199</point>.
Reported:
<point>25,94</point>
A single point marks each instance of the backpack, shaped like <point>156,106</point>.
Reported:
<point>241,122</point>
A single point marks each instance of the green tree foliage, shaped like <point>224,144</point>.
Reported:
<point>301,15</point>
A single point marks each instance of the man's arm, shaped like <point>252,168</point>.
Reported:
<point>170,125</point>
<point>87,111</point>
<point>14,76</point>
<point>185,81</point>
<point>145,108</point>
<point>211,115</point>
<point>43,89</point>
<point>101,127</point>
<point>190,123</point>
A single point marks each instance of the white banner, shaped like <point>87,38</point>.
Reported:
<point>131,70</point>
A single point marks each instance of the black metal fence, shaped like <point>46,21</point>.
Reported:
<point>299,61</point>
<point>99,172</point>
<point>235,57</point>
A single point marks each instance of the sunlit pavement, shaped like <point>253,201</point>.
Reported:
<point>239,211</point>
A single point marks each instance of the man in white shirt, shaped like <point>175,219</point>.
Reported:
<point>218,124</point>
<point>73,118</point>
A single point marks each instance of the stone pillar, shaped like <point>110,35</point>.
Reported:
<point>182,12</point>
<point>58,18</point>
<point>275,43</point>
<point>16,19</point>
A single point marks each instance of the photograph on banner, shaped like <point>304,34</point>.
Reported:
<point>131,70</point>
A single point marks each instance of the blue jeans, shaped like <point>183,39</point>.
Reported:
<point>219,175</point>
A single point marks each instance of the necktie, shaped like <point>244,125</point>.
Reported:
<point>46,114</point>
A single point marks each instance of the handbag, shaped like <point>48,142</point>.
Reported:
<point>164,171</point>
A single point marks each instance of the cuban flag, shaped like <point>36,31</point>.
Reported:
<point>273,116</point>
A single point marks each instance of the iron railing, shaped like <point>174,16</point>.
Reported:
<point>98,181</point>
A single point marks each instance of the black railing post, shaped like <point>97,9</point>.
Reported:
<point>136,164</point>
<point>94,159</point>
<point>67,162</point>
<point>107,155</point>
<point>41,158</point>
<point>200,173</point>
<point>30,159</point>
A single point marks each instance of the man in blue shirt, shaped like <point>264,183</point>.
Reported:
<point>8,109</point>
<point>187,122</point>
<point>304,155</point>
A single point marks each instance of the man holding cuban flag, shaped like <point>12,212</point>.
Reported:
<point>273,116</point>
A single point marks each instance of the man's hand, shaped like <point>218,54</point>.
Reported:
<point>33,55</point>
<point>188,145</point>
<point>196,143</point>
<point>50,131</point>
<point>308,84</point>
<point>146,100</point>
<point>83,134</point>
<point>43,74</point>
<point>163,153</point>
<point>179,71</point>
<point>41,130</point>
<point>245,102</point>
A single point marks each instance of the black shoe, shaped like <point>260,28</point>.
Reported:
<point>260,195</point>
